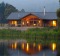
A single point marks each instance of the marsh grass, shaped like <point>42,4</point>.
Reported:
<point>43,35</point>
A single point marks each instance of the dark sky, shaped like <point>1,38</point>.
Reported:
<point>34,5</point>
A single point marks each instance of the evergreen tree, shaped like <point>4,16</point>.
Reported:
<point>58,16</point>
<point>5,11</point>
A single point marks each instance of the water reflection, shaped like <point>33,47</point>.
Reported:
<point>14,45</point>
<point>53,46</point>
<point>39,47</point>
<point>22,45</point>
<point>27,49</point>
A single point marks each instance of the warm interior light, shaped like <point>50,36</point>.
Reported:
<point>23,23</point>
<point>54,23</point>
<point>27,47</point>
<point>22,45</point>
<point>27,21</point>
<point>39,21</point>
<point>53,46</point>
<point>34,24</point>
<point>14,22</point>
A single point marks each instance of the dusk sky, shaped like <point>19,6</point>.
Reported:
<point>34,5</point>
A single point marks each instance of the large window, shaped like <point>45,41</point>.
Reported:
<point>54,23</point>
<point>14,23</point>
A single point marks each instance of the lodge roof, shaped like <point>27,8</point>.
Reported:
<point>19,15</point>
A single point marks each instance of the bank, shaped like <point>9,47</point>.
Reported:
<point>38,35</point>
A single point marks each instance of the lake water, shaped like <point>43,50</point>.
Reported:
<point>13,50</point>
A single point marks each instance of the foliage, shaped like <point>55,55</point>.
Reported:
<point>5,10</point>
<point>9,9</point>
<point>37,35</point>
<point>58,16</point>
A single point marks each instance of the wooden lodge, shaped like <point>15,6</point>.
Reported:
<point>32,19</point>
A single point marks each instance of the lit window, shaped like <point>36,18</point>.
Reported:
<point>54,23</point>
<point>39,21</point>
<point>14,22</point>
<point>27,21</point>
<point>23,23</point>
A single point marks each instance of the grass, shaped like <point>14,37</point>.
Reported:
<point>43,35</point>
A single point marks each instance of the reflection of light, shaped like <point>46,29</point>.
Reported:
<point>54,23</point>
<point>14,46</point>
<point>22,45</point>
<point>27,47</point>
<point>53,46</point>
<point>39,47</point>
<point>34,44</point>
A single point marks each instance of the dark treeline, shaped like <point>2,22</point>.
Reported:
<point>5,10</point>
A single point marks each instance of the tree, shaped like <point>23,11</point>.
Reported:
<point>22,10</point>
<point>9,9</point>
<point>58,16</point>
<point>5,11</point>
<point>2,10</point>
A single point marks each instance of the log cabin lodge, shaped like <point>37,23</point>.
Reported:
<point>32,19</point>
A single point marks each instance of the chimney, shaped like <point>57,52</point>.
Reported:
<point>44,11</point>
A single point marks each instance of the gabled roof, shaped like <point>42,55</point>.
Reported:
<point>19,15</point>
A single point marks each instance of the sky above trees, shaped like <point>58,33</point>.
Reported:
<point>34,5</point>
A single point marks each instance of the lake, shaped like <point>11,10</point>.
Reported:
<point>26,49</point>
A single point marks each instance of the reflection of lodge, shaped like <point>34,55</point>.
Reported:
<point>32,20</point>
<point>33,48</point>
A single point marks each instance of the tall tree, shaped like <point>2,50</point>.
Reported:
<point>5,10</point>
<point>58,16</point>
<point>9,9</point>
<point>2,10</point>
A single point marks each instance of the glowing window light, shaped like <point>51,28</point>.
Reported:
<point>39,21</point>
<point>27,21</point>
<point>34,24</point>
<point>27,47</point>
<point>14,22</point>
<point>23,23</point>
<point>54,23</point>
<point>53,46</point>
